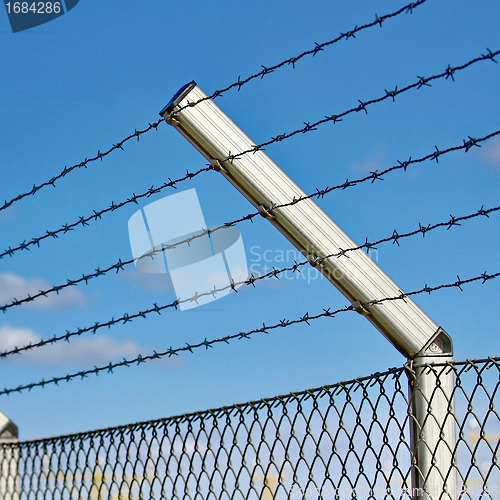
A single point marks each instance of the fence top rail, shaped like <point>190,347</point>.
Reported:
<point>489,361</point>
<point>268,402</point>
<point>344,385</point>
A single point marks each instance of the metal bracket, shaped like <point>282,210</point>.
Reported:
<point>8,429</point>
<point>360,308</point>
<point>267,213</point>
<point>440,345</point>
<point>172,120</point>
<point>315,261</point>
<point>217,164</point>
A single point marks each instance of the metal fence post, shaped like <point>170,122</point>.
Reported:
<point>432,423</point>
<point>9,458</point>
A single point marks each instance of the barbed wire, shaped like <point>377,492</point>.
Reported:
<point>241,335</point>
<point>83,221</point>
<point>422,81</point>
<point>467,145</point>
<point>265,71</point>
<point>375,175</point>
<point>260,147</point>
<point>395,237</point>
<point>67,170</point>
<point>312,52</point>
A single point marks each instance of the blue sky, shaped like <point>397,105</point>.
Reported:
<point>86,80</point>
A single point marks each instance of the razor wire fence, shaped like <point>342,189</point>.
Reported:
<point>348,440</point>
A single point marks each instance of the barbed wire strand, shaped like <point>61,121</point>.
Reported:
<point>395,237</point>
<point>84,163</point>
<point>421,82</point>
<point>308,128</point>
<point>265,71</point>
<point>83,221</point>
<point>242,335</point>
<point>467,145</point>
<point>312,52</point>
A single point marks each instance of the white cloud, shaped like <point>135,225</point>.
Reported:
<point>98,350</point>
<point>16,337</point>
<point>490,153</point>
<point>15,286</point>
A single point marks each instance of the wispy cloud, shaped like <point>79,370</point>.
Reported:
<point>376,161</point>
<point>149,282</point>
<point>99,350</point>
<point>15,337</point>
<point>15,286</point>
<point>365,167</point>
<point>490,154</point>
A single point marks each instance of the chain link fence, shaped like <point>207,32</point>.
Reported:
<point>348,440</point>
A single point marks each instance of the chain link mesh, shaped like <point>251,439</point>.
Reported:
<point>349,440</point>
